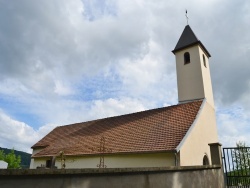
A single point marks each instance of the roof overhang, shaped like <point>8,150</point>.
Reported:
<point>116,153</point>
<point>193,44</point>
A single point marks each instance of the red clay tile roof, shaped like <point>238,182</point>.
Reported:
<point>157,130</point>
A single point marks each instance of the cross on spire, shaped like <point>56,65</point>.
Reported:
<point>187,16</point>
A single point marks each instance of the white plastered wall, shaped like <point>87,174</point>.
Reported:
<point>32,159</point>
<point>114,161</point>
<point>195,144</point>
<point>206,78</point>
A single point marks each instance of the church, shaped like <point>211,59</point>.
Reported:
<point>177,135</point>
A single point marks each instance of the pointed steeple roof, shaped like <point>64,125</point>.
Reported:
<point>188,39</point>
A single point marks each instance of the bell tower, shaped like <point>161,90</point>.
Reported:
<point>192,66</point>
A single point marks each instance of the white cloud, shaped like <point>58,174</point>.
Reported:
<point>114,107</point>
<point>146,78</point>
<point>233,125</point>
<point>18,135</point>
<point>63,88</point>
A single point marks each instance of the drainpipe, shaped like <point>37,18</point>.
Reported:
<point>176,158</point>
<point>53,162</point>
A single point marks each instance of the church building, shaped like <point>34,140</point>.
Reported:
<point>176,135</point>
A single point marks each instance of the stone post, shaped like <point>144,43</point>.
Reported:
<point>215,150</point>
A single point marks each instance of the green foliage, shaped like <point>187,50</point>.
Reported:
<point>241,165</point>
<point>2,155</point>
<point>25,157</point>
<point>241,157</point>
<point>12,160</point>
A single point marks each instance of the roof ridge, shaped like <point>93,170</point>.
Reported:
<point>133,113</point>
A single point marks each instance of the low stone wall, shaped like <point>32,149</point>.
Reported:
<point>176,177</point>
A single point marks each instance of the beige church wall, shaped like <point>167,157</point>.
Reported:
<point>115,161</point>
<point>189,76</point>
<point>195,143</point>
<point>38,162</point>
<point>33,153</point>
<point>193,79</point>
<point>206,78</point>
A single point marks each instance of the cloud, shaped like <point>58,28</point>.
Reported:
<point>96,9</point>
<point>146,78</point>
<point>18,135</point>
<point>233,125</point>
<point>229,50</point>
<point>49,45</point>
<point>112,107</point>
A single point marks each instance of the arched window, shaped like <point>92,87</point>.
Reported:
<point>205,160</point>
<point>204,60</point>
<point>186,58</point>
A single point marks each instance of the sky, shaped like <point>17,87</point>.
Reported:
<point>63,62</point>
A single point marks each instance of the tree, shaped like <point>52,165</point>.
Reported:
<point>2,155</point>
<point>12,160</point>
<point>241,164</point>
<point>241,157</point>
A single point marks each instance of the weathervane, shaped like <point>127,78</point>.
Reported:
<point>187,16</point>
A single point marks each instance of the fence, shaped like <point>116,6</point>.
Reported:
<point>237,166</point>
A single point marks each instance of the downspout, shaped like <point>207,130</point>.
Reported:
<point>176,158</point>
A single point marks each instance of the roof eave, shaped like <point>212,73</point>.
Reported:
<point>38,147</point>
<point>115,153</point>
<point>193,44</point>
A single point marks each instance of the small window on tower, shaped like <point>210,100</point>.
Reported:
<point>204,60</point>
<point>186,58</point>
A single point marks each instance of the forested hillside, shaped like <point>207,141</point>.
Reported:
<point>25,157</point>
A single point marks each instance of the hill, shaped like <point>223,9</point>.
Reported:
<point>25,157</point>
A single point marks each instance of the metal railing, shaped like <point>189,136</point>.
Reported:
<point>237,166</point>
